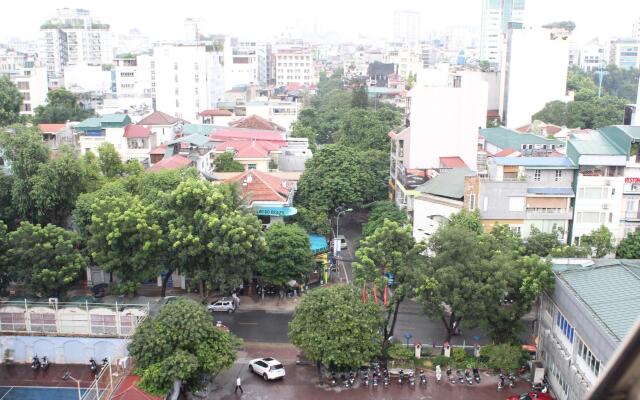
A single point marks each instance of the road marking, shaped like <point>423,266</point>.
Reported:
<point>345,272</point>
<point>247,323</point>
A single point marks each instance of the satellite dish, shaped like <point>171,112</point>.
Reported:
<point>177,128</point>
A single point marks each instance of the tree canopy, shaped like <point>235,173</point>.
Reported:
<point>600,241</point>
<point>180,343</point>
<point>334,327</point>
<point>288,255</point>
<point>62,106</point>
<point>109,160</point>
<point>225,163</point>
<point>381,211</point>
<point>629,247</point>
<point>10,100</point>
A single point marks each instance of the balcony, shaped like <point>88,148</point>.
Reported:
<point>632,215</point>
<point>550,213</point>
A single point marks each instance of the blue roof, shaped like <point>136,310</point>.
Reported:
<point>318,243</point>
<point>542,162</point>
<point>551,191</point>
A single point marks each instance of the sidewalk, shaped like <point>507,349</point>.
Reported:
<point>270,303</point>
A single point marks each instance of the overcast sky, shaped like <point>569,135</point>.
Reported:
<point>266,18</point>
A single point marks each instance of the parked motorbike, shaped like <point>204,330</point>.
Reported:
<point>35,363</point>
<point>512,381</point>
<point>450,377</point>
<point>438,373</point>
<point>352,378</point>
<point>401,377</point>
<point>365,378</point>
<point>93,365</point>
<point>385,378</point>
<point>412,381</point>
<point>45,363</point>
<point>346,381</point>
<point>542,387</point>
<point>467,377</point>
<point>459,376</point>
<point>423,378</point>
<point>375,379</point>
<point>333,379</point>
<point>500,383</point>
<point>476,375</point>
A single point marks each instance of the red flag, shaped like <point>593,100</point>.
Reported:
<point>375,294</point>
<point>386,297</point>
<point>364,294</point>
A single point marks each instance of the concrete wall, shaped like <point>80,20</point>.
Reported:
<point>495,195</point>
<point>612,204</point>
<point>548,178</point>
<point>63,350</point>
<point>429,212</point>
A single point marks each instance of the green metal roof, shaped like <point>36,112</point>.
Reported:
<point>89,124</point>
<point>622,135</point>
<point>594,143</point>
<point>448,184</point>
<point>505,138</point>
<point>115,119</point>
<point>198,140</point>
<point>199,129</point>
<point>610,289</point>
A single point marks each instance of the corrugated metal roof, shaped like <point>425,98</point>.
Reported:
<point>549,162</point>
<point>197,140</point>
<point>611,291</point>
<point>115,119</point>
<point>448,184</point>
<point>506,138</point>
<point>198,129</point>
<point>89,124</point>
<point>594,143</point>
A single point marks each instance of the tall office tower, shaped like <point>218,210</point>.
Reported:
<point>406,27</point>
<point>497,17</point>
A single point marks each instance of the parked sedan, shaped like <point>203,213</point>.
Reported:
<point>222,305</point>
<point>268,368</point>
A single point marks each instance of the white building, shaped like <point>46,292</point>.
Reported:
<point>593,56</point>
<point>82,78</point>
<point>32,84</point>
<point>625,53</point>
<point>526,83</point>
<point>74,37</point>
<point>294,65</point>
<point>133,42</point>
<point>408,61</point>
<point>446,111</point>
<point>246,62</point>
<point>182,80</point>
<point>497,16</point>
<point>406,27</point>
<point>635,32</point>
<point>133,76</point>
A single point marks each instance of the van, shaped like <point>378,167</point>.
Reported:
<point>343,241</point>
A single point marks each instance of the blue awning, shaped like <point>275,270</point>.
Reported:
<point>318,243</point>
<point>277,211</point>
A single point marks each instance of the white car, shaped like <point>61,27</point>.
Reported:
<point>223,305</point>
<point>268,368</point>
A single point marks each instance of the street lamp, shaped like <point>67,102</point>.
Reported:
<point>67,376</point>
<point>336,242</point>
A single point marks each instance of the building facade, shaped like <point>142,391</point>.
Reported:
<point>294,65</point>
<point>132,76</point>
<point>625,53</point>
<point>497,17</point>
<point>578,331</point>
<point>593,56</point>
<point>246,62</point>
<point>406,27</point>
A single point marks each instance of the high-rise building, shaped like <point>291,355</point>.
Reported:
<point>593,56</point>
<point>635,32</point>
<point>406,27</point>
<point>74,37</point>
<point>294,64</point>
<point>534,73</point>
<point>497,17</point>
<point>246,62</point>
<point>625,53</point>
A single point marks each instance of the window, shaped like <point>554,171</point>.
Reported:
<point>590,217</point>
<point>558,175</point>
<point>536,175</point>
<point>593,192</point>
<point>486,204</point>
<point>472,201</point>
<point>43,322</point>
<point>176,78</point>
<point>565,327</point>
<point>251,166</point>
<point>103,324</point>
<point>177,103</point>
<point>516,203</point>
<point>587,356</point>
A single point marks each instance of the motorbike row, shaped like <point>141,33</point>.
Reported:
<point>36,364</point>
<point>94,366</point>
<point>470,375</point>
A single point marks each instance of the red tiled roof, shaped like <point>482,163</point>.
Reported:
<point>392,134</point>
<point>173,162</point>
<point>505,152</point>
<point>256,122</point>
<point>51,128</point>
<point>136,131</point>
<point>249,148</point>
<point>452,162</point>
<point>263,186</point>
<point>225,134</point>
<point>128,390</point>
<point>216,112</point>
<point>159,150</point>
<point>158,118</point>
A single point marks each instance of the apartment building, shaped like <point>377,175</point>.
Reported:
<point>294,64</point>
<point>246,62</point>
<point>132,76</point>
<point>30,77</point>
<point>406,27</point>
<point>524,192</point>
<point>592,308</point>
<point>593,56</point>
<point>526,84</point>
<point>497,17</point>
<point>407,61</point>
<point>625,53</point>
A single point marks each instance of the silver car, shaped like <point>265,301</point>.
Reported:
<point>223,305</point>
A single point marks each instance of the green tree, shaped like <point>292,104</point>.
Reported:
<point>629,247</point>
<point>109,160</point>
<point>180,343</point>
<point>467,219</point>
<point>10,101</point>
<point>57,186</point>
<point>554,112</point>
<point>484,65</point>
<point>587,111</point>
<point>380,212</point>
<point>91,172</point>
<point>570,251</point>
<point>305,131</point>
<point>225,163</point>
<point>541,243</point>
<point>125,237</point>
<point>335,328</point>
<point>313,220</point>
<point>621,82</point>
<point>5,276</point>
<point>288,255</point>
<point>503,357</point>
<point>367,128</point>
<point>568,25</point>
<point>62,106</point>
<point>7,211</point>
<point>600,241</point>
<point>133,167</point>
<point>390,249</point>
<point>45,258</point>
<point>23,148</point>
<point>335,176</point>
<point>359,97</point>
<point>411,80</point>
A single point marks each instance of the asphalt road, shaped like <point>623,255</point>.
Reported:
<point>257,326</point>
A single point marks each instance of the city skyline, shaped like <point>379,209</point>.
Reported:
<point>259,19</point>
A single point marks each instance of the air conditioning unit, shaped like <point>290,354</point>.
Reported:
<point>605,206</point>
